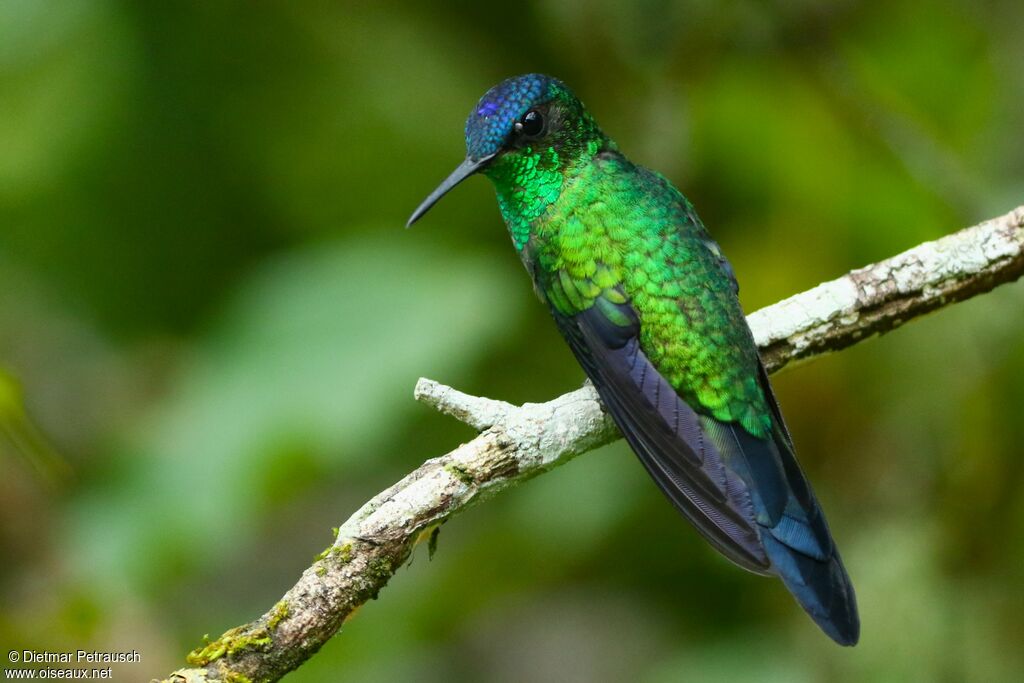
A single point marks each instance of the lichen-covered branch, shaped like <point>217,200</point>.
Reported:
<point>519,442</point>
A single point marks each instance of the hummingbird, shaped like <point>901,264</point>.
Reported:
<point>648,304</point>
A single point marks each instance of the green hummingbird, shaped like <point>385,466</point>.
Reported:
<point>648,304</point>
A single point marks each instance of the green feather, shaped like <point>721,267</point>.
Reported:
<point>593,223</point>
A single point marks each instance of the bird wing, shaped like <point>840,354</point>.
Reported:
<point>665,432</point>
<point>746,495</point>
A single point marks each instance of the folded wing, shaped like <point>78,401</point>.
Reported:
<point>746,495</point>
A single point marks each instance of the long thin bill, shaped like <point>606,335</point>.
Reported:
<point>464,170</point>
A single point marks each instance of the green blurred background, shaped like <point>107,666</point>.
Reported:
<point>216,319</point>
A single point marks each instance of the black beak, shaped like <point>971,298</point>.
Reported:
<point>464,170</point>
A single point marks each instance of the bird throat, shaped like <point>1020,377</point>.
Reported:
<point>529,182</point>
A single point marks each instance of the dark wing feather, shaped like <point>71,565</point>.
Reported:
<point>670,439</point>
<point>746,496</point>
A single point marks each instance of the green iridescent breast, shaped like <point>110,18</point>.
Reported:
<point>617,232</point>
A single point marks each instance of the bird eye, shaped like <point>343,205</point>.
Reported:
<point>531,125</point>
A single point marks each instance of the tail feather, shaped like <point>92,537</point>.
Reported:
<point>812,571</point>
<point>822,588</point>
<point>792,529</point>
<point>802,553</point>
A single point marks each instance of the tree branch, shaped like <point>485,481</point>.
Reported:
<point>520,442</point>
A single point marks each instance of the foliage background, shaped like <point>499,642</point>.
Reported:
<point>216,319</point>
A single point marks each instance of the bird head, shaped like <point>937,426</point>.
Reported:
<point>523,124</point>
